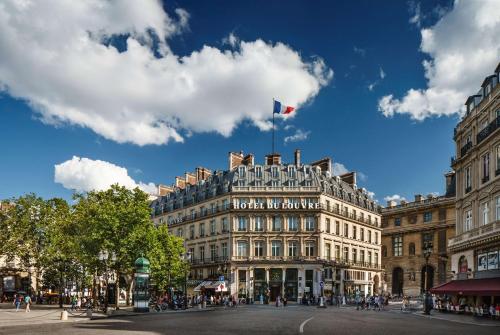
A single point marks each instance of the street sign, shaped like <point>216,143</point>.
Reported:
<point>221,288</point>
<point>221,278</point>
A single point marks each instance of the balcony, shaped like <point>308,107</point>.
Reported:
<point>476,235</point>
<point>488,130</point>
<point>465,149</point>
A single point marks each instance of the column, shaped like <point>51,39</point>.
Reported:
<point>283,278</point>
<point>342,278</point>
<point>251,280</point>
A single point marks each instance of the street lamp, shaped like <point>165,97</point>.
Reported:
<point>427,254</point>
<point>104,257</point>
<point>187,258</point>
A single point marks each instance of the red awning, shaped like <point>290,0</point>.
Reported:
<point>484,287</point>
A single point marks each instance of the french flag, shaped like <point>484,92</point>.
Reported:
<point>279,108</point>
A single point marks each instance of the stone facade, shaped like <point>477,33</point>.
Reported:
<point>476,247</point>
<point>405,228</point>
<point>277,229</point>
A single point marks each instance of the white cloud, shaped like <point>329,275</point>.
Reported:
<point>299,135</point>
<point>359,51</point>
<point>394,197</point>
<point>84,174</point>
<point>416,18</point>
<point>231,40</point>
<point>382,73</point>
<point>56,56</point>
<point>339,169</point>
<point>463,47</point>
<point>371,194</point>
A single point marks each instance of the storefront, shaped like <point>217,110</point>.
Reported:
<point>260,285</point>
<point>275,283</point>
<point>291,284</point>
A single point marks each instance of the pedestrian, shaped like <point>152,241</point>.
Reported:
<point>284,302</point>
<point>17,302</point>
<point>27,301</point>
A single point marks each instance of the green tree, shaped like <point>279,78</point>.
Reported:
<point>115,222</point>
<point>165,256</point>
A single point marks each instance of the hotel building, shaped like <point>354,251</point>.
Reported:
<point>412,227</point>
<point>476,246</point>
<point>274,229</point>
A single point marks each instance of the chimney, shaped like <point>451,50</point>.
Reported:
<point>202,173</point>
<point>190,178</point>
<point>249,160</point>
<point>273,159</point>
<point>297,157</point>
<point>164,190</point>
<point>419,197</point>
<point>235,159</point>
<point>324,164</point>
<point>391,203</point>
<point>180,182</point>
<point>349,177</point>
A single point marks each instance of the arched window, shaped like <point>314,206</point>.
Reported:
<point>462,265</point>
<point>384,251</point>
<point>411,249</point>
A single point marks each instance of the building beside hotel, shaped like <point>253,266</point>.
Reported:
<point>274,229</point>
<point>476,246</point>
<point>407,229</point>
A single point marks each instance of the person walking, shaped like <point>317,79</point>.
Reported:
<point>284,301</point>
<point>17,302</point>
<point>27,301</point>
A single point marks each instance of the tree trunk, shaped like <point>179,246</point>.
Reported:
<point>117,290</point>
<point>130,292</point>
<point>129,280</point>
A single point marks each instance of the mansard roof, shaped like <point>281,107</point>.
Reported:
<point>243,176</point>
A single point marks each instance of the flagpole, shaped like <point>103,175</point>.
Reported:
<point>273,134</point>
<point>272,152</point>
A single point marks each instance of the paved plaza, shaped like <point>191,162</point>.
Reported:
<point>254,319</point>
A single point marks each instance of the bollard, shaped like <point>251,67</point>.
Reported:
<point>89,313</point>
<point>64,315</point>
<point>199,306</point>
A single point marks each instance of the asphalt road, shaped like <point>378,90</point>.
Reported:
<point>263,320</point>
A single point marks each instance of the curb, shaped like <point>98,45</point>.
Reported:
<point>457,321</point>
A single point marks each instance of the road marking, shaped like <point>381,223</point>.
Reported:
<point>301,329</point>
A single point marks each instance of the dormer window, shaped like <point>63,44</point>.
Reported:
<point>242,171</point>
<point>487,89</point>
<point>274,172</point>
<point>307,171</point>
<point>292,172</point>
<point>258,172</point>
<point>471,106</point>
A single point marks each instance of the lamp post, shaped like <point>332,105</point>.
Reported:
<point>187,258</point>
<point>427,254</point>
<point>104,257</point>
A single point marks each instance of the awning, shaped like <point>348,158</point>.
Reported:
<point>206,284</point>
<point>483,287</point>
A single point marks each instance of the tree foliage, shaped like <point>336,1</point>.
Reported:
<point>63,241</point>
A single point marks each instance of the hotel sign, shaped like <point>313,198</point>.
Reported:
<point>271,205</point>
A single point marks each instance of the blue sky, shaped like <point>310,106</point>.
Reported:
<point>401,154</point>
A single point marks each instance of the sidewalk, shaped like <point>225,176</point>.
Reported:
<point>461,318</point>
<point>40,314</point>
<point>43,314</point>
